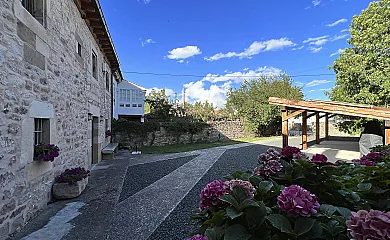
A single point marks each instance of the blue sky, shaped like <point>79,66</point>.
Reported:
<point>223,39</point>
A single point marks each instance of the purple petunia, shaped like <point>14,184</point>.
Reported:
<point>247,186</point>
<point>369,225</point>
<point>209,196</point>
<point>296,200</point>
<point>268,169</point>
<point>198,237</point>
<point>319,158</point>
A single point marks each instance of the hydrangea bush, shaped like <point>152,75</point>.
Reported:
<point>71,176</point>
<point>46,152</point>
<point>289,196</point>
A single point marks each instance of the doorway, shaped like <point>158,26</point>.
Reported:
<point>95,136</point>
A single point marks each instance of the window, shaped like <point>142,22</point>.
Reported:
<point>122,96</point>
<point>134,95</point>
<point>107,81</point>
<point>134,105</point>
<point>128,95</point>
<point>121,105</point>
<point>37,9</point>
<point>94,64</point>
<point>140,105</point>
<point>79,49</point>
<point>41,131</point>
<point>127,105</point>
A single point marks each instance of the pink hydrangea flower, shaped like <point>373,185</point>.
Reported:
<point>319,158</point>
<point>270,154</point>
<point>198,237</point>
<point>300,156</point>
<point>295,200</point>
<point>209,196</point>
<point>247,186</point>
<point>268,169</point>
<point>369,225</point>
<point>289,151</point>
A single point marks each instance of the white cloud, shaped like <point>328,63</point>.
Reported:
<point>345,30</point>
<point>316,2</point>
<point>311,91</point>
<point>181,61</point>
<point>215,94</point>
<point>299,84</point>
<point>319,42</point>
<point>324,89</point>
<point>317,82</point>
<point>145,1</point>
<point>184,52</point>
<point>245,69</point>
<point>336,23</point>
<point>337,52</point>
<point>314,49</point>
<point>338,37</point>
<point>308,7</point>
<point>168,92</point>
<point>147,41</point>
<point>238,77</point>
<point>299,48</point>
<point>315,39</point>
<point>254,49</point>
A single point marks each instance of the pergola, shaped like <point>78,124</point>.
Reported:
<point>310,108</point>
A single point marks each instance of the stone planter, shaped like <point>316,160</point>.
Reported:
<point>67,191</point>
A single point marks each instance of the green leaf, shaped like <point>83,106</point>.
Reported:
<point>345,212</point>
<point>211,234</point>
<point>316,231</point>
<point>236,232</point>
<point>255,216</point>
<point>239,194</point>
<point>303,225</point>
<point>247,203</point>
<point>327,210</point>
<point>355,196</point>
<point>279,236</point>
<point>229,199</point>
<point>265,186</point>
<point>280,222</point>
<point>232,213</point>
<point>364,186</point>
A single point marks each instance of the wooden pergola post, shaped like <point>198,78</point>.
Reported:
<point>317,128</point>
<point>284,126</point>
<point>304,130</point>
<point>326,125</point>
<point>387,132</point>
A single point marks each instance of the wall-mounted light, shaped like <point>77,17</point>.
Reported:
<point>101,118</point>
<point>89,116</point>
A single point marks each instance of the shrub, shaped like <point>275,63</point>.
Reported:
<point>301,199</point>
<point>71,176</point>
<point>46,152</point>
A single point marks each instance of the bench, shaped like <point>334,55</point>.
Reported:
<point>108,151</point>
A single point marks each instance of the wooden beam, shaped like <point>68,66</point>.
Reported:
<point>304,130</point>
<point>285,128</point>
<point>326,125</point>
<point>387,132</point>
<point>296,113</point>
<point>311,115</point>
<point>317,128</point>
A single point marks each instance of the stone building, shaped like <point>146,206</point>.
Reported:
<point>57,68</point>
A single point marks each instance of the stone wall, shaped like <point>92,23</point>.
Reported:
<point>223,129</point>
<point>42,76</point>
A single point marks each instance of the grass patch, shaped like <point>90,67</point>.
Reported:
<point>197,146</point>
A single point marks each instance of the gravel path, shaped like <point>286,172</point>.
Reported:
<point>140,176</point>
<point>176,225</point>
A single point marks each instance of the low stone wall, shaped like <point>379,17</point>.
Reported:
<point>223,130</point>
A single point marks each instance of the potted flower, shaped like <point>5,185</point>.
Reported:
<point>71,183</point>
<point>108,133</point>
<point>46,152</point>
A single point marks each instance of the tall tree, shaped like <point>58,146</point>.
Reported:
<point>250,101</point>
<point>363,69</point>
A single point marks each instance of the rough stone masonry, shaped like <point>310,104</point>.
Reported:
<point>46,72</point>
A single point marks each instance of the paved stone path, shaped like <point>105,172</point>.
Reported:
<point>143,197</point>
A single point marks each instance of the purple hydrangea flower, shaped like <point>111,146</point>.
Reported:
<point>364,162</point>
<point>300,156</point>
<point>369,225</point>
<point>209,196</point>
<point>270,154</point>
<point>247,186</point>
<point>289,151</point>
<point>268,169</point>
<point>372,156</point>
<point>319,158</point>
<point>199,237</point>
<point>295,200</point>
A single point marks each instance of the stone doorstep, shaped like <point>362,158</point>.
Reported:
<point>68,191</point>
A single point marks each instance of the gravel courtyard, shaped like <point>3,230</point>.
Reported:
<point>143,197</point>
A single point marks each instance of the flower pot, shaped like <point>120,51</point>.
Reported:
<point>67,191</point>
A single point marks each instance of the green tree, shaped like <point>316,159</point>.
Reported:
<point>159,105</point>
<point>250,101</point>
<point>200,110</point>
<point>362,70</point>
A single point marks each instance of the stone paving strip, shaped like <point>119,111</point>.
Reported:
<point>139,215</point>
